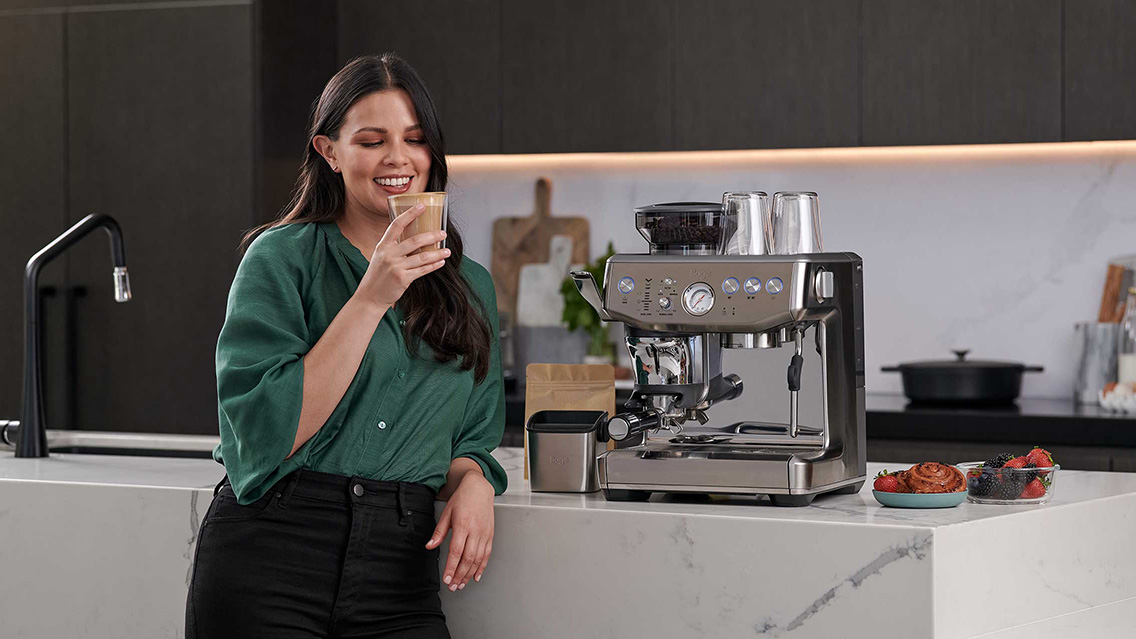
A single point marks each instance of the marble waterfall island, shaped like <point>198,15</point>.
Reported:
<point>101,546</point>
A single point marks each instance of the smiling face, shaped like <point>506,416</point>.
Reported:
<point>380,151</point>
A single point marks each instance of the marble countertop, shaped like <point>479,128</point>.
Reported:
<point>728,567</point>
<point>1071,487</point>
<point>136,471</point>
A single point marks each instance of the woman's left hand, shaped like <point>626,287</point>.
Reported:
<point>469,512</point>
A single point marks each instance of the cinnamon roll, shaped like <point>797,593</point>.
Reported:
<point>931,477</point>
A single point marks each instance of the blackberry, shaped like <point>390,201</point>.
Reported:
<point>1028,475</point>
<point>999,461</point>
<point>1011,486</point>
<point>982,485</point>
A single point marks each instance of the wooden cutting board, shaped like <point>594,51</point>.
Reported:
<point>525,240</point>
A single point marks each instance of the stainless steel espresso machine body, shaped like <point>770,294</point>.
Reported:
<point>680,309</point>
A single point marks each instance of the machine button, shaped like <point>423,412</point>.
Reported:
<point>752,285</point>
<point>730,285</point>
<point>825,284</point>
<point>774,285</point>
<point>626,285</point>
<point>665,303</point>
<point>668,281</point>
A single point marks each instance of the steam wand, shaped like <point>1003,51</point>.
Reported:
<point>794,374</point>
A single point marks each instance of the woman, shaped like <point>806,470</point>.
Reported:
<point>353,392</point>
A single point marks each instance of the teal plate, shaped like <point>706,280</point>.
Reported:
<point>917,500</point>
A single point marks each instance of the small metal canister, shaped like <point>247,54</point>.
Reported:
<point>1097,364</point>
<point>563,445</point>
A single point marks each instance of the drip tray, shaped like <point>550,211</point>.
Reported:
<point>743,434</point>
<point>765,428</point>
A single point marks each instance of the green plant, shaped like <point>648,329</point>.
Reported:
<point>578,314</point>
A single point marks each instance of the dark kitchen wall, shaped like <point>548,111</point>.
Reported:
<point>187,121</point>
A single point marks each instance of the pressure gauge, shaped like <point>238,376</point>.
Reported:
<point>698,298</point>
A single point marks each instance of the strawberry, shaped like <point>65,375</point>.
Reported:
<point>1017,462</point>
<point>1033,490</point>
<point>1043,458</point>
<point>886,483</point>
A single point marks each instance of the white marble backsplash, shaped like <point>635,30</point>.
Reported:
<point>999,249</point>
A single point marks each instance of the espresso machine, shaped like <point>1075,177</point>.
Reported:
<point>682,304</point>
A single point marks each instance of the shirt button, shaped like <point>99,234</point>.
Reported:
<point>401,374</point>
<point>358,490</point>
<point>382,425</point>
<point>402,322</point>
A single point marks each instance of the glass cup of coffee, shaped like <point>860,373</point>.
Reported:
<point>796,223</point>
<point>432,219</point>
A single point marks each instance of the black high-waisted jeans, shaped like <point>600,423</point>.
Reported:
<point>319,555</point>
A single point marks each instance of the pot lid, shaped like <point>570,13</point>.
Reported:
<point>961,362</point>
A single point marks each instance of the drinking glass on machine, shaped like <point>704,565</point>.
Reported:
<point>748,230</point>
<point>796,223</point>
<point>434,218</point>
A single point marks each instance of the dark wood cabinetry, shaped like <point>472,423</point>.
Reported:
<point>160,133</point>
<point>454,45</point>
<point>589,75</point>
<point>33,194</point>
<point>517,76</point>
<point>1100,70</point>
<point>961,71</point>
<point>766,74</point>
<point>151,113</point>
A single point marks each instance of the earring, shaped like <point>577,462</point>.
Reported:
<point>335,168</point>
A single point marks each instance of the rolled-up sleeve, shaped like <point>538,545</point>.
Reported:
<point>260,368</point>
<point>484,422</point>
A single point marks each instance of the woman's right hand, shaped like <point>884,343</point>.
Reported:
<point>392,268</point>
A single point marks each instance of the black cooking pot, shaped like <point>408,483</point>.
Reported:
<point>962,381</point>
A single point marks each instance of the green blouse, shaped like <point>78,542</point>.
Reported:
<point>402,418</point>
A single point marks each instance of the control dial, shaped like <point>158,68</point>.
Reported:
<point>698,298</point>
<point>730,285</point>
<point>752,285</point>
<point>774,285</point>
<point>665,303</point>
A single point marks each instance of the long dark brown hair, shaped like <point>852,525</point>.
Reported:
<point>437,306</point>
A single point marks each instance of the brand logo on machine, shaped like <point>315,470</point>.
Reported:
<point>559,461</point>
<point>697,274</point>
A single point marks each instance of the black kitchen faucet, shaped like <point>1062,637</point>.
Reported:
<point>33,432</point>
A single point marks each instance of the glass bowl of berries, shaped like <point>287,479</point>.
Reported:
<point>1010,479</point>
